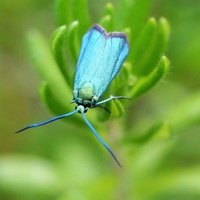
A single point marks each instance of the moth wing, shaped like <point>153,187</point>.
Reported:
<point>100,58</point>
<point>114,53</point>
<point>90,54</point>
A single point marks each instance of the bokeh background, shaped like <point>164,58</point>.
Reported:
<point>59,161</point>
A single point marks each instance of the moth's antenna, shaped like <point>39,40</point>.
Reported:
<point>111,98</point>
<point>47,121</point>
<point>99,138</point>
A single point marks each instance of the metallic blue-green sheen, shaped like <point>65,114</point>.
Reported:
<point>100,59</point>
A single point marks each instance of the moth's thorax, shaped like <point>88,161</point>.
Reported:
<point>85,95</point>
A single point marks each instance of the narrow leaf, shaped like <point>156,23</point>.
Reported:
<point>155,48</point>
<point>137,14</point>
<point>58,46</point>
<point>73,42</point>
<point>46,66</point>
<point>145,83</point>
<point>80,12</point>
<point>73,10</point>
<point>143,45</point>
<point>64,13</point>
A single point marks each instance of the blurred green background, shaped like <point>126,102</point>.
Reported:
<point>60,161</point>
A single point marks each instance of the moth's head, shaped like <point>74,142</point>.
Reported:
<point>81,108</point>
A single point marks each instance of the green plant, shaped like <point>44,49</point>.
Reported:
<point>77,170</point>
<point>143,68</point>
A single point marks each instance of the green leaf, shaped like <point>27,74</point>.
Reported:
<point>116,108</point>
<point>73,10</point>
<point>133,14</point>
<point>80,9</point>
<point>143,44</point>
<point>163,33</point>
<point>63,12</point>
<point>58,45</point>
<point>154,49</point>
<point>120,14</point>
<point>46,66</point>
<point>120,85</point>
<point>73,42</point>
<point>145,83</point>
<point>136,15</point>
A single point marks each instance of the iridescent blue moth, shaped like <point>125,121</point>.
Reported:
<point>100,59</point>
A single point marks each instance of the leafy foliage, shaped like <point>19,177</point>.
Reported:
<point>76,168</point>
<point>144,65</point>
